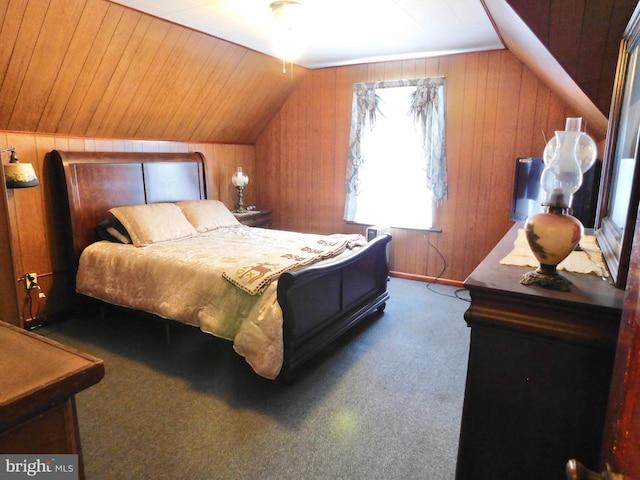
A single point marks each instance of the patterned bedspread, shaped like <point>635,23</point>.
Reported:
<point>253,277</point>
<point>183,280</point>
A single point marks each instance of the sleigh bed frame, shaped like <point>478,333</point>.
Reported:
<point>320,303</point>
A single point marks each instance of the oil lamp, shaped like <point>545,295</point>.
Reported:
<point>553,234</point>
<point>240,180</point>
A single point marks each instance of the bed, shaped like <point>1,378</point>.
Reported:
<point>314,303</point>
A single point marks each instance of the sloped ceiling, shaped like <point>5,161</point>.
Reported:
<point>94,68</point>
<point>583,36</point>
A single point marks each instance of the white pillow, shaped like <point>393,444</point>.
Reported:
<point>207,215</point>
<point>155,222</point>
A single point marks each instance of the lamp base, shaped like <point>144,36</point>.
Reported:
<point>552,235</point>
<point>240,206</point>
<point>548,277</point>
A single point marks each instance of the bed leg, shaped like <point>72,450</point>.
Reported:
<point>167,332</point>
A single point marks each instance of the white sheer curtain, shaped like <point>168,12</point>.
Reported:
<point>397,163</point>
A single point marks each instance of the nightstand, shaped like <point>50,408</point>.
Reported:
<point>258,218</point>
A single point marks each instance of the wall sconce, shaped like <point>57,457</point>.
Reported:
<point>16,174</point>
<point>553,234</point>
<point>240,180</point>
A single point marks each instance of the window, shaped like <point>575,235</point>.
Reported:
<point>396,170</point>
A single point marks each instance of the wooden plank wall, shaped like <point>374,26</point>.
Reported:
<point>36,232</point>
<point>496,111</point>
<point>74,72</point>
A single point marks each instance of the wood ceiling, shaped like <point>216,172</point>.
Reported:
<point>583,36</point>
<point>94,68</point>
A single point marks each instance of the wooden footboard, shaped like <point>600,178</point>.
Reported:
<point>321,302</point>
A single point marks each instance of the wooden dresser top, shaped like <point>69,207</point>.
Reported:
<point>586,289</point>
<point>36,373</point>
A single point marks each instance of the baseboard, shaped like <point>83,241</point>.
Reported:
<point>426,279</point>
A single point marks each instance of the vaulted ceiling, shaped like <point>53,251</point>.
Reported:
<point>328,33</point>
<point>95,68</point>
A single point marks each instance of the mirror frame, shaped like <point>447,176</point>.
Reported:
<point>616,241</point>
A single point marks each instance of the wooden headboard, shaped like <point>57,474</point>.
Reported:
<point>97,181</point>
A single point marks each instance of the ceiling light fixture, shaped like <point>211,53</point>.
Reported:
<point>287,36</point>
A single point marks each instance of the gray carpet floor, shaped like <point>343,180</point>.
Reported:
<point>385,403</point>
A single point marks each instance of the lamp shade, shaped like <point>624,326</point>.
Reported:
<point>20,175</point>
<point>239,179</point>
<point>567,156</point>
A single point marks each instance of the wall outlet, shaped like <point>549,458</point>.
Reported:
<point>42,302</point>
<point>30,280</point>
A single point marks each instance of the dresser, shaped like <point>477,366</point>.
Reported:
<point>38,383</point>
<point>539,370</point>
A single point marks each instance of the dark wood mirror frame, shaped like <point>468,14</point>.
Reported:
<point>619,187</point>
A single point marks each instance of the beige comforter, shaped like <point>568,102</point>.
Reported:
<point>182,280</point>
